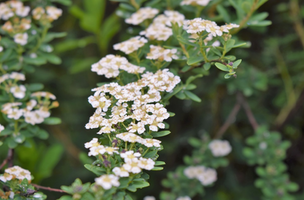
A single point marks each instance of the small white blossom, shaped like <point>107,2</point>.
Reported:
<point>107,181</point>
<point>219,147</point>
<point>141,15</point>
<point>21,38</point>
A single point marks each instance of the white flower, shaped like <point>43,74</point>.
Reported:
<point>129,155</point>
<point>93,143</point>
<point>149,198</point>
<point>53,12</point>
<point>107,181</point>
<point>219,147</point>
<point>207,176</point>
<point>131,44</point>
<point>141,15</point>
<point>1,128</point>
<point>18,91</point>
<point>19,172</point>
<point>6,177</point>
<point>120,171</point>
<point>21,38</point>
<point>146,164</point>
<point>195,2</point>
<point>132,166</point>
<point>184,198</point>
<point>22,11</point>
<point>1,48</point>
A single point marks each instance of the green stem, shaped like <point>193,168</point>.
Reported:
<point>184,49</point>
<point>109,137</point>
<point>133,2</point>
<point>44,32</point>
<point>145,152</point>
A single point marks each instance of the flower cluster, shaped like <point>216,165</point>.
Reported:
<point>110,66</point>
<point>130,113</point>
<point>34,111</point>
<point>195,2</point>
<point>159,53</point>
<point>131,44</point>
<point>220,147</point>
<point>49,14</point>
<point>141,15</point>
<point>198,25</point>
<point>205,175</point>
<point>15,172</point>
<point>160,28</point>
<point>17,18</point>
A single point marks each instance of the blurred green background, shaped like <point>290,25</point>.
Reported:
<point>274,61</point>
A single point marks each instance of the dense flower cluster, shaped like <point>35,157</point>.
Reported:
<point>131,44</point>
<point>160,28</point>
<point>129,112</point>
<point>198,25</point>
<point>110,66</point>
<point>15,172</point>
<point>205,175</point>
<point>159,53</point>
<point>141,15</point>
<point>195,2</point>
<point>18,20</point>
<point>220,147</point>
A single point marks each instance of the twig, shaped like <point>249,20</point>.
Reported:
<point>254,7</point>
<point>248,112</point>
<point>230,119</point>
<point>295,14</point>
<point>8,159</point>
<point>48,188</point>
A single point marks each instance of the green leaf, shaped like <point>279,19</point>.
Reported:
<point>229,45</point>
<point>6,54</point>
<point>65,197</point>
<point>224,14</point>
<point>33,87</point>
<point>186,68</point>
<point>35,61</point>
<point>181,95</point>
<point>52,121</point>
<point>227,76</point>
<point>42,134</point>
<point>160,134</point>
<point>236,64</point>
<point>63,2</point>
<point>194,60</point>
<point>11,143</point>
<point>52,58</point>
<point>184,40</point>
<point>190,87</point>
<point>292,187</point>
<point>222,67</point>
<point>260,23</point>
<point>50,36</point>
<point>207,66</point>
<point>192,96</point>
<point>108,29</point>
<point>157,169</point>
<point>49,161</point>
<point>159,163</point>
<point>81,65</point>
<point>96,170</point>
<point>192,78</point>
<point>6,131</point>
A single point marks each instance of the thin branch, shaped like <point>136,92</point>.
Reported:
<point>48,188</point>
<point>248,111</point>
<point>230,119</point>
<point>8,159</point>
<point>295,14</point>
